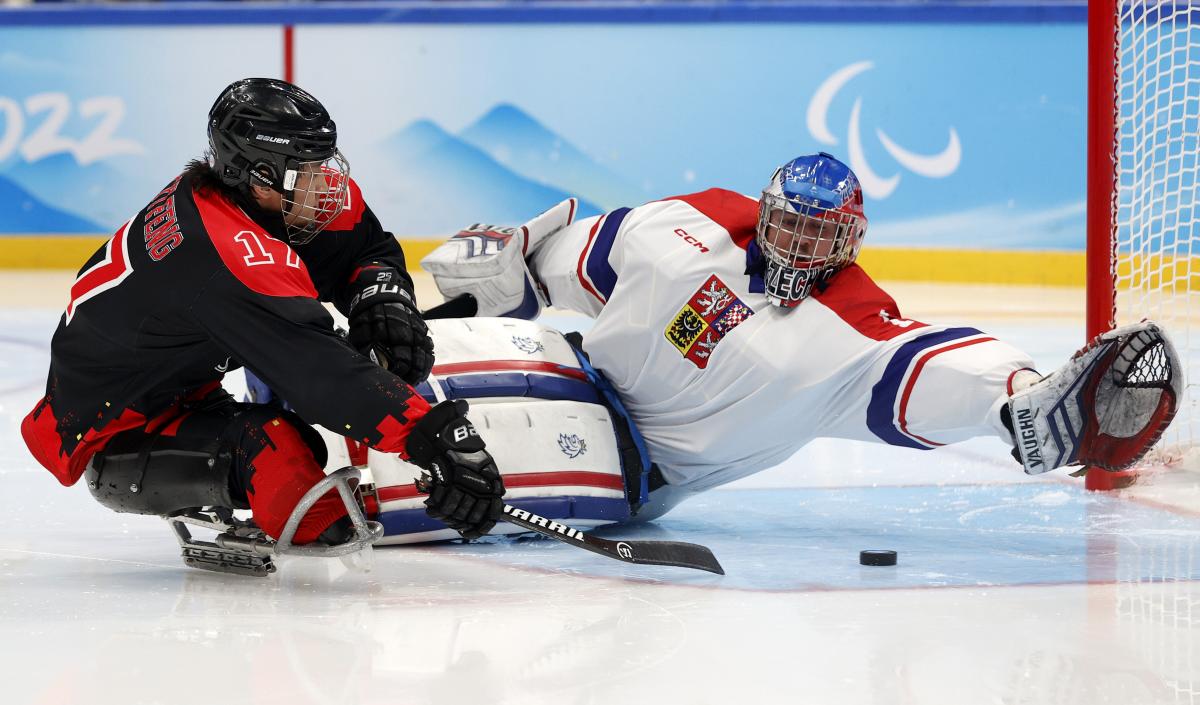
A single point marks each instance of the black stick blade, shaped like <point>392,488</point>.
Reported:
<point>670,553</point>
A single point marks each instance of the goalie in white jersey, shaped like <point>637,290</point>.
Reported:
<point>734,330</point>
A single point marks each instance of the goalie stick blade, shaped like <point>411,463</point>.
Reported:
<point>669,553</point>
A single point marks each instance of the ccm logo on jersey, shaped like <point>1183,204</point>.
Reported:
<point>690,240</point>
<point>708,316</point>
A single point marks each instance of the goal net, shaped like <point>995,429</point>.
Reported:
<point>1144,185</point>
<point>1158,614</point>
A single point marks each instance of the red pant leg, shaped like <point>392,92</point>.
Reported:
<point>279,475</point>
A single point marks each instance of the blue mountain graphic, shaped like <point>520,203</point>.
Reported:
<point>25,213</point>
<point>425,181</point>
<point>94,191</point>
<point>521,143</point>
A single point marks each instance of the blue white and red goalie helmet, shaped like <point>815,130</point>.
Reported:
<point>810,226</point>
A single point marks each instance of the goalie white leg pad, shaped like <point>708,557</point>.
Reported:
<point>484,343</point>
<point>1105,408</point>
<point>543,422</point>
<point>542,419</point>
<point>559,459</point>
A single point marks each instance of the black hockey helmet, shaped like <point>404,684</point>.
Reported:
<point>276,134</point>
<point>257,125</point>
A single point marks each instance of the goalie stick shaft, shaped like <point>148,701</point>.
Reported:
<point>670,553</point>
<point>463,306</point>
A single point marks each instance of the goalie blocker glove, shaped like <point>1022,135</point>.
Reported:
<point>488,262</point>
<point>386,326</point>
<point>1105,408</point>
<point>463,483</point>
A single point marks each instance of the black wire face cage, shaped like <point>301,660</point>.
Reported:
<point>803,246</point>
<point>314,194</point>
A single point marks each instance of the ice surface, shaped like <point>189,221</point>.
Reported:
<point>1009,589</point>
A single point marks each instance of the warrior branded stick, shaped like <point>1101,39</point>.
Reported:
<point>672,553</point>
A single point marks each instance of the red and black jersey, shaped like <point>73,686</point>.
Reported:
<point>196,285</point>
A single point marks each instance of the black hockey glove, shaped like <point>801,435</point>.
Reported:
<point>463,484</point>
<point>386,326</point>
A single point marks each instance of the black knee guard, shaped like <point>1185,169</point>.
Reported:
<point>204,464</point>
<point>156,475</point>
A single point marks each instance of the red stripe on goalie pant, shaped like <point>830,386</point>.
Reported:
<point>564,478</point>
<point>508,365</point>
<point>912,381</point>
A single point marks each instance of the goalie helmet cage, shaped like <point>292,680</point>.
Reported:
<point>1143,184</point>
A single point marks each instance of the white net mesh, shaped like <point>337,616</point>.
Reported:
<point>1158,173</point>
<point>1158,611</point>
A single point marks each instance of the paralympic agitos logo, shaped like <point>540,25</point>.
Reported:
<point>935,166</point>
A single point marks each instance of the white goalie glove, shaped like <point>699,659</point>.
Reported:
<point>488,262</point>
<point>1105,408</point>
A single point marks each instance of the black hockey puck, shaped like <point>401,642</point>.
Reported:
<point>877,557</point>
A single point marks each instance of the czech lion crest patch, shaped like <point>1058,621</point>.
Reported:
<point>708,316</point>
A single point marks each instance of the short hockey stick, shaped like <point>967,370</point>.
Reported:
<point>672,553</point>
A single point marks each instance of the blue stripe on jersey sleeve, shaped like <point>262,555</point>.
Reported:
<point>598,269</point>
<point>881,410</point>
